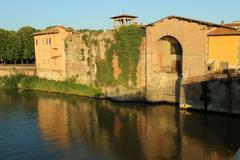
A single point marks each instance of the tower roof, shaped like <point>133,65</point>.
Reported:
<point>123,16</point>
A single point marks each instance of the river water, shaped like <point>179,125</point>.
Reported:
<point>41,126</point>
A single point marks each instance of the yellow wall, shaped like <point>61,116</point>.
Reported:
<point>50,57</point>
<point>224,48</point>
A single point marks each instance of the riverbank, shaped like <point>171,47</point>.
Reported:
<point>217,102</point>
<point>39,84</point>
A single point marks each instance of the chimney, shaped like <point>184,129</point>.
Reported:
<point>222,22</point>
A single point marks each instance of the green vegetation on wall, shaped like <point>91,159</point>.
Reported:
<point>127,43</point>
<point>87,34</point>
<point>104,75</point>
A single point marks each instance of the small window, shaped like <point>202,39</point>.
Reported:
<point>36,42</point>
<point>49,41</point>
<point>46,41</point>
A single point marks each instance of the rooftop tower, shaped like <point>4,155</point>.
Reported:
<point>123,20</point>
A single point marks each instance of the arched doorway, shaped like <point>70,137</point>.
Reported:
<point>172,55</point>
<point>171,51</point>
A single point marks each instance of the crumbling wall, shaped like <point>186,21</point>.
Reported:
<point>92,59</point>
<point>82,51</point>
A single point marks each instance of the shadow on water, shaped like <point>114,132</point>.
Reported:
<point>71,127</point>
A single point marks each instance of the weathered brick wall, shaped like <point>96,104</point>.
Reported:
<point>8,70</point>
<point>193,39</point>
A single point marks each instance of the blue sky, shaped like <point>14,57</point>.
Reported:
<point>94,14</point>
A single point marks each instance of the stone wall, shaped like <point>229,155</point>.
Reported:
<point>85,49</point>
<point>82,51</point>
<point>219,95</point>
<point>8,70</point>
<point>162,87</point>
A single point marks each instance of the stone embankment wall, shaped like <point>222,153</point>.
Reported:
<point>221,94</point>
<point>8,70</point>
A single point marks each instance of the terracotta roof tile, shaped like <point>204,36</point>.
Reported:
<point>223,32</point>
<point>53,30</point>
<point>232,24</point>
<point>47,31</point>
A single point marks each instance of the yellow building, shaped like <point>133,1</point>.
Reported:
<point>50,52</point>
<point>223,49</point>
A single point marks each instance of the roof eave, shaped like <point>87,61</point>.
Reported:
<point>38,34</point>
<point>223,34</point>
<point>188,19</point>
<point>121,16</point>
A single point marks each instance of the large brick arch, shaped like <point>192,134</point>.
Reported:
<point>192,35</point>
<point>171,51</point>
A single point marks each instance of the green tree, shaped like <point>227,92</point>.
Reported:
<point>13,47</point>
<point>26,42</point>
<point>3,45</point>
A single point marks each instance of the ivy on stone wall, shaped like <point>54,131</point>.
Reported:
<point>87,34</point>
<point>85,38</point>
<point>127,43</point>
<point>104,74</point>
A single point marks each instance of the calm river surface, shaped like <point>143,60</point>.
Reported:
<point>43,126</point>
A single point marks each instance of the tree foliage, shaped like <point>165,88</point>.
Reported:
<point>17,47</point>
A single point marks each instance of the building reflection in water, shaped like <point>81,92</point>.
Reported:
<point>53,121</point>
<point>130,130</point>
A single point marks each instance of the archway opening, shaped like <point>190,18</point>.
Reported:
<point>171,50</point>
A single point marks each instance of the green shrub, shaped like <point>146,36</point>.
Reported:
<point>10,82</point>
<point>34,83</point>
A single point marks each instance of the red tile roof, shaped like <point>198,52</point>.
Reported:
<point>52,30</point>
<point>223,32</point>
<point>232,24</point>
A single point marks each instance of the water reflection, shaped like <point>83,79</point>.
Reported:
<point>71,127</point>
